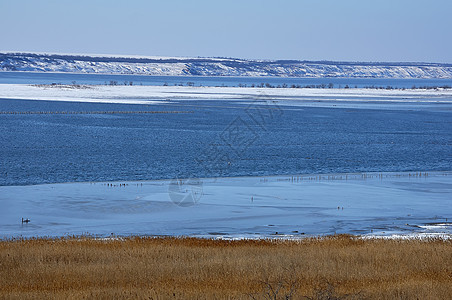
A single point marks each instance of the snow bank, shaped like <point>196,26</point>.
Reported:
<point>150,94</point>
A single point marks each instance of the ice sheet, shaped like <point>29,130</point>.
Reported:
<point>378,204</point>
<point>153,94</point>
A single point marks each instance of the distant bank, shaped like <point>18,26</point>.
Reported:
<point>180,66</point>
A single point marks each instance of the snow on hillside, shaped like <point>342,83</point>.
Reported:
<point>215,66</point>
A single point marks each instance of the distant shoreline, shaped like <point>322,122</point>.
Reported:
<point>222,76</point>
<point>219,66</point>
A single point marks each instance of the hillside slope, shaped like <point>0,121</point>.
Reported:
<point>217,66</point>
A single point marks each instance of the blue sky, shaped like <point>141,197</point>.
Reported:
<point>350,30</point>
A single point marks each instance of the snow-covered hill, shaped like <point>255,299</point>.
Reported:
<point>216,66</point>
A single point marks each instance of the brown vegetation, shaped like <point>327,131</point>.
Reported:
<point>339,267</point>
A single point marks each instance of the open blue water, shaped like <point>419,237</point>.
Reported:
<point>68,78</point>
<point>214,138</point>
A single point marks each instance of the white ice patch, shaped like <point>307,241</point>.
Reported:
<point>154,94</point>
<point>289,207</point>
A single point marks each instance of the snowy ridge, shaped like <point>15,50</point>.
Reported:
<point>34,62</point>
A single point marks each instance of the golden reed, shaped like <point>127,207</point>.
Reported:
<point>337,267</point>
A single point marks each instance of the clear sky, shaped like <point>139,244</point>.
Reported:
<point>349,30</point>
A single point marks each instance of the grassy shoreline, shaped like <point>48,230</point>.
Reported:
<point>179,268</point>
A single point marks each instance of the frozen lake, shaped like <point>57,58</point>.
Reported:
<point>280,206</point>
<point>385,156</point>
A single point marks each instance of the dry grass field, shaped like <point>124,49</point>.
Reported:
<point>339,267</point>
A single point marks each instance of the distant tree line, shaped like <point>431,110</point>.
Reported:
<point>318,86</point>
<point>114,82</point>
